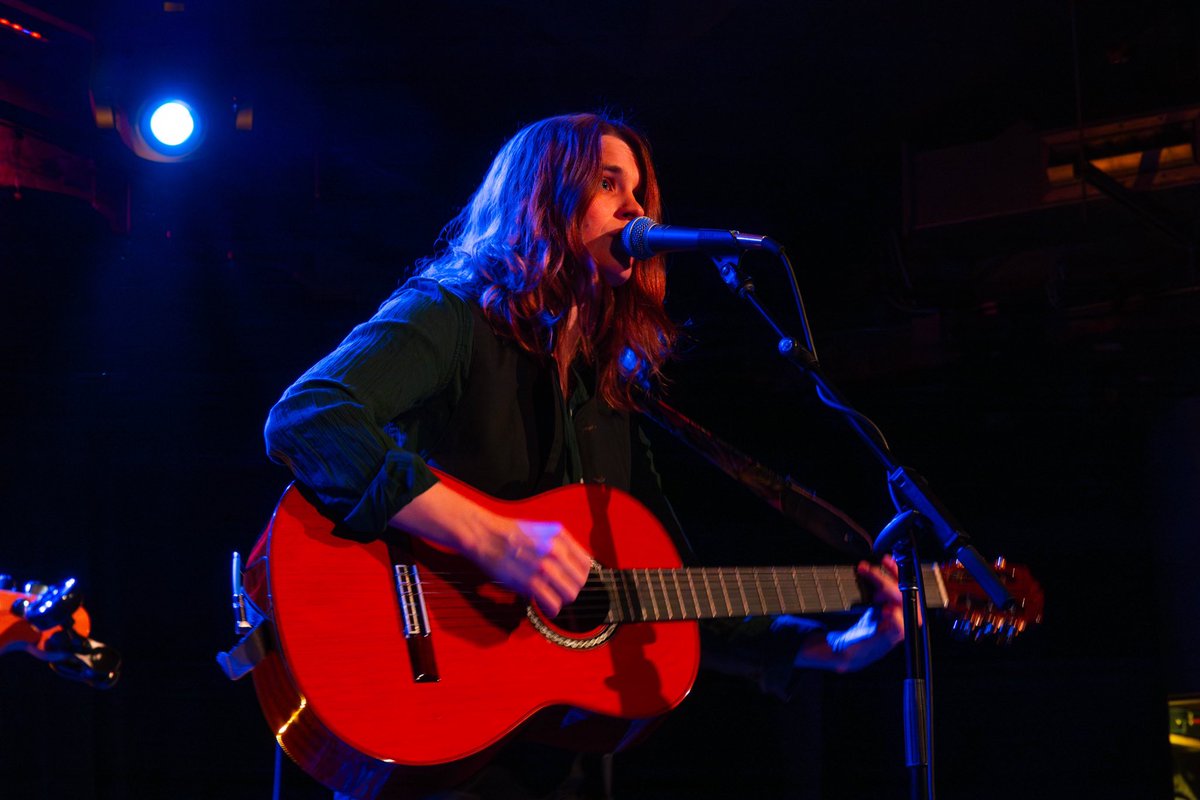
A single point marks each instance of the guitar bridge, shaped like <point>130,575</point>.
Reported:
<point>416,623</point>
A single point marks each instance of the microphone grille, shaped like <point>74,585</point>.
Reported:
<point>633,237</point>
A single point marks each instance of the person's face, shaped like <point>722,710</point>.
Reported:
<point>613,205</point>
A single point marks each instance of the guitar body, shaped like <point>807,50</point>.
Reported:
<point>350,704</point>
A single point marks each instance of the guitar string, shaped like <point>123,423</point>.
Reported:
<point>459,613</point>
<point>455,613</point>
<point>833,578</point>
<point>798,582</point>
<point>759,579</point>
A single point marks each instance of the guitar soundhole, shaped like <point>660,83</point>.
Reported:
<point>588,612</point>
<point>584,623</point>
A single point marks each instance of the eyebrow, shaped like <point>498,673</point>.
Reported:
<point>619,172</point>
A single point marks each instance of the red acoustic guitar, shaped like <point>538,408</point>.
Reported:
<point>385,661</point>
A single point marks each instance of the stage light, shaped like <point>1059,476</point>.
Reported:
<point>172,123</point>
<point>165,129</point>
<point>171,128</point>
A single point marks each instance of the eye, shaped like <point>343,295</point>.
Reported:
<point>607,184</point>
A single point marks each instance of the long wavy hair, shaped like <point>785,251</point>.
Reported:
<point>517,249</point>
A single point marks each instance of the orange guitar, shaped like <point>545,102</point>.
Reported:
<point>50,623</point>
<point>386,661</point>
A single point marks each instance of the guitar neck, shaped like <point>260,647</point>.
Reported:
<point>659,595</point>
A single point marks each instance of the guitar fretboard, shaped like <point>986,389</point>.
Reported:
<point>661,595</point>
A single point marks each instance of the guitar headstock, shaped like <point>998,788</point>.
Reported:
<point>977,617</point>
<point>50,623</point>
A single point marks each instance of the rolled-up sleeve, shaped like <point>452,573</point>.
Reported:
<point>334,427</point>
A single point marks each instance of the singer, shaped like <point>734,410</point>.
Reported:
<point>506,362</point>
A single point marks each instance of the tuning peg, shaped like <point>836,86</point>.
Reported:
<point>33,587</point>
<point>960,629</point>
<point>52,607</point>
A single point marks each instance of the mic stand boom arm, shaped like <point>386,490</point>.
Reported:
<point>909,490</point>
<point>916,508</point>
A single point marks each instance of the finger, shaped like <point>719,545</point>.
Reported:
<point>562,580</point>
<point>885,570</point>
<point>552,540</point>
<point>574,554</point>
<point>562,563</point>
<point>582,567</point>
<point>545,597</point>
<point>885,589</point>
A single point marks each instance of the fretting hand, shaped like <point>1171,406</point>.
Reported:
<point>877,631</point>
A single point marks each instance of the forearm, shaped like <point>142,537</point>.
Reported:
<point>537,558</point>
<point>447,518</point>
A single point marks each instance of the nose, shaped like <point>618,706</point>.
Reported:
<point>631,208</point>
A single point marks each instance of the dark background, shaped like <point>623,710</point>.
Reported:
<point>1038,365</point>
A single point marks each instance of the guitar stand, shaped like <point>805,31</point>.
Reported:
<point>916,508</point>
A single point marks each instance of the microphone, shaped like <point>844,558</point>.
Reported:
<point>643,238</point>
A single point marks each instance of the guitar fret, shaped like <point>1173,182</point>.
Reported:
<point>679,594</point>
<point>790,585</point>
<point>695,598</point>
<point>611,580</point>
<point>632,609</point>
<point>778,591</point>
<point>810,598</point>
<point>817,585</point>
<point>712,604</point>
<point>650,590</point>
<point>762,600</point>
<point>724,591</point>
<point>662,581</point>
<point>832,589</point>
<point>847,589</point>
<point>741,590</point>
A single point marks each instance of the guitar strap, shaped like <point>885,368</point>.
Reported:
<point>813,514</point>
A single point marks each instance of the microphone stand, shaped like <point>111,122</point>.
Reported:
<point>917,510</point>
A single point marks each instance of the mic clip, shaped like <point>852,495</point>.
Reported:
<point>729,268</point>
